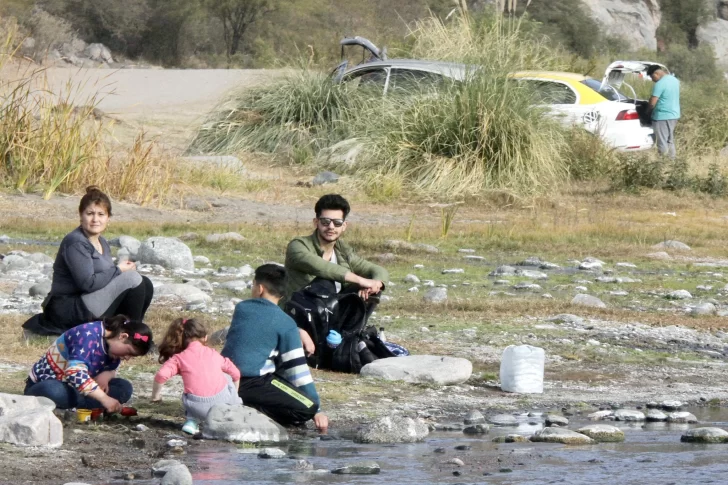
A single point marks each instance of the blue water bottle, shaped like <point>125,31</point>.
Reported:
<point>333,339</point>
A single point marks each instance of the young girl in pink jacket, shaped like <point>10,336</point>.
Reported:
<point>208,377</point>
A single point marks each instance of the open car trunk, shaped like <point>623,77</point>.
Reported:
<point>614,77</point>
<point>370,52</point>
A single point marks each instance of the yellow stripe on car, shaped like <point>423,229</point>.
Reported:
<point>586,94</point>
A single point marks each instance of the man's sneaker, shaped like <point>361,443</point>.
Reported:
<point>191,427</point>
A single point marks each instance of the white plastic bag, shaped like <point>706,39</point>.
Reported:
<point>521,369</point>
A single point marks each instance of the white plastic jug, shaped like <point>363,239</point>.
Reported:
<point>521,369</point>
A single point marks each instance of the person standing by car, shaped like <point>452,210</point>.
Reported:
<point>665,108</point>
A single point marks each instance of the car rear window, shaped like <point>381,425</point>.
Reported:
<point>608,92</point>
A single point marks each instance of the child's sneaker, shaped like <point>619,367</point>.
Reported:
<point>191,427</point>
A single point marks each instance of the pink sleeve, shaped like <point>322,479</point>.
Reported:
<point>168,369</point>
<point>229,368</point>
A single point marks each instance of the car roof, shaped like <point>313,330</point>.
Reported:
<point>459,71</point>
<point>450,69</point>
<point>558,75</point>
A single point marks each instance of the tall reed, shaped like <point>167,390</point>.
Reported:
<point>55,141</point>
<point>304,109</point>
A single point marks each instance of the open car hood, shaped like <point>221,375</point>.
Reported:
<point>616,71</point>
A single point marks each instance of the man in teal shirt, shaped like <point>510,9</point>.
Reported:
<point>665,107</point>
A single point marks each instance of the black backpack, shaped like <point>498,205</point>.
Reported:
<point>318,309</point>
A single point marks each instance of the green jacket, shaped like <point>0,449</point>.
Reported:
<point>304,262</point>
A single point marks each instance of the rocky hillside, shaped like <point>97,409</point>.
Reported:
<point>715,32</point>
<point>637,21</point>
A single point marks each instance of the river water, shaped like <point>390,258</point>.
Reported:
<point>651,453</point>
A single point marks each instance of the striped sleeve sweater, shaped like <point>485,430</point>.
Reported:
<point>262,340</point>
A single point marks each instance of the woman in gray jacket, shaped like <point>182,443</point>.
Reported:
<point>87,285</point>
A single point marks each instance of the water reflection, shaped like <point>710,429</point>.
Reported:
<point>651,453</point>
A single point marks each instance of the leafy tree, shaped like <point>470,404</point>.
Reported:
<point>237,16</point>
<point>165,25</point>
<point>119,25</point>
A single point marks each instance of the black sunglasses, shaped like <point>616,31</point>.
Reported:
<point>325,221</point>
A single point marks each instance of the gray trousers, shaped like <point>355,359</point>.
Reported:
<point>665,136</point>
<point>197,407</point>
<point>100,300</point>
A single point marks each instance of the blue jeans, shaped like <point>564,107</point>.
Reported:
<point>67,397</point>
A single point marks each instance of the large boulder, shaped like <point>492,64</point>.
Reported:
<point>561,435</point>
<point>715,34</point>
<point>394,429</point>
<point>40,289</point>
<point>130,246</point>
<point>602,433</point>
<point>359,468</point>
<point>168,252</point>
<point>421,369</point>
<point>435,295</point>
<point>29,421</point>
<point>15,262</point>
<point>588,300</point>
<point>241,424</point>
<point>177,475</point>
<point>183,291</point>
<point>98,52</point>
<point>634,21</point>
<point>629,415</point>
<point>705,435</point>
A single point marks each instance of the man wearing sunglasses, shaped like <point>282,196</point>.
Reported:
<point>324,256</point>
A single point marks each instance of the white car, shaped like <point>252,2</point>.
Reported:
<point>600,107</point>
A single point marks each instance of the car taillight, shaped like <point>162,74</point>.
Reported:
<point>628,114</point>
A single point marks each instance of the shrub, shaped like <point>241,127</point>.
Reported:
<point>587,156</point>
<point>703,125</point>
<point>715,183</point>
<point>49,144</point>
<point>678,177</point>
<point>466,139</point>
<point>50,32</point>
<point>692,65</point>
<point>639,171</point>
<point>301,110</point>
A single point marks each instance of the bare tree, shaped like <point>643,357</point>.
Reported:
<point>237,16</point>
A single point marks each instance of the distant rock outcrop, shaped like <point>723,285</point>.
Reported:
<point>715,34</point>
<point>635,21</point>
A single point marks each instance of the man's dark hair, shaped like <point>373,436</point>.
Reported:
<point>273,277</point>
<point>653,69</point>
<point>332,202</point>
